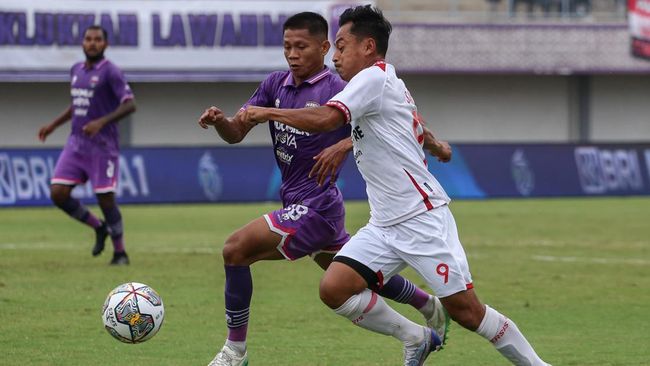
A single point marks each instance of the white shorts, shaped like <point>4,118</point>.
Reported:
<point>427,242</point>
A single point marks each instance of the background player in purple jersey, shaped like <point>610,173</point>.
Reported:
<point>312,220</point>
<point>100,96</point>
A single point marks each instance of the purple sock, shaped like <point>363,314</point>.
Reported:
<point>114,222</point>
<point>404,291</point>
<point>77,211</point>
<point>239,291</point>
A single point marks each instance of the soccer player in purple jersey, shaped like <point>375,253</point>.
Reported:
<point>100,97</point>
<point>410,222</point>
<point>311,221</point>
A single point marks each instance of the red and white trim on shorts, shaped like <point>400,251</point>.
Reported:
<point>341,107</point>
<point>425,196</point>
<point>332,249</point>
<point>66,181</point>
<point>107,189</point>
<point>285,232</point>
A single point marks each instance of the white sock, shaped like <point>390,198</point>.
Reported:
<point>370,311</point>
<point>507,339</point>
<point>428,308</point>
<point>239,347</point>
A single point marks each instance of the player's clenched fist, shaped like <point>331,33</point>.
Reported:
<point>211,117</point>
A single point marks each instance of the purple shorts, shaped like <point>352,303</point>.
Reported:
<point>316,225</point>
<point>76,167</point>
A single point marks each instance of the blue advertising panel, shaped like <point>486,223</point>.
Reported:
<point>148,175</point>
<point>547,170</point>
<point>250,174</point>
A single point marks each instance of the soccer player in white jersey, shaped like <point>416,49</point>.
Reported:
<point>410,224</point>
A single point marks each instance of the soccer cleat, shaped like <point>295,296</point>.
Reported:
<point>439,321</point>
<point>415,355</point>
<point>229,357</point>
<point>119,259</point>
<point>100,239</point>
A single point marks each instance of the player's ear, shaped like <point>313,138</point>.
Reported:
<point>325,47</point>
<point>369,46</point>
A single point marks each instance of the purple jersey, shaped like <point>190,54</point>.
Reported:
<point>95,92</point>
<point>295,149</point>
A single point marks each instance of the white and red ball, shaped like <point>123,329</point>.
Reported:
<point>133,312</point>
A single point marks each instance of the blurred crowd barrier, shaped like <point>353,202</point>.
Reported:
<point>504,10</point>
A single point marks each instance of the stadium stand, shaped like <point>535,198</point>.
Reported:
<point>504,10</point>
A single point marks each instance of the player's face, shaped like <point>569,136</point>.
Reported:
<point>305,53</point>
<point>351,54</point>
<point>94,44</point>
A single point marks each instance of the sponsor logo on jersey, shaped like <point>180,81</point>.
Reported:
<point>94,80</point>
<point>312,104</point>
<point>283,156</point>
<point>357,133</point>
<point>279,126</point>
<point>81,100</point>
<point>357,155</point>
<point>284,138</point>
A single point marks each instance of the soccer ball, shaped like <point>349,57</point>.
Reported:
<point>133,312</point>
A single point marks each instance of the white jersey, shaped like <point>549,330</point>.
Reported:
<point>387,138</point>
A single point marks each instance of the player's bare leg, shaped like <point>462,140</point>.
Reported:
<point>401,290</point>
<point>345,291</point>
<point>465,308</point>
<point>61,196</point>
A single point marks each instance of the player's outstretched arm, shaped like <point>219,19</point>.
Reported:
<point>124,109</point>
<point>319,119</point>
<point>232,130</point>
<point>329,160</point>
<point>438,148</point>
<point>46,130</point>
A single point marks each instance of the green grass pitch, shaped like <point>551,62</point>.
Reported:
<point>574,274</point>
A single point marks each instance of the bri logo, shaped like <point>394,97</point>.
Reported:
<point>607,170</point>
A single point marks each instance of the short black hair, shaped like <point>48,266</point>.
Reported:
<point>97,27</point>
<point>313,22</point>
<point>368,21</point>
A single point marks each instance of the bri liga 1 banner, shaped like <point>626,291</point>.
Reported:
<point>639,19</point>
<point>250,174</point>
<point>159,40</point>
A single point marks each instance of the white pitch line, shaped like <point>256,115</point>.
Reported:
<point>550,258</point>
<point>209,250</point>
<point>135,249</point>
